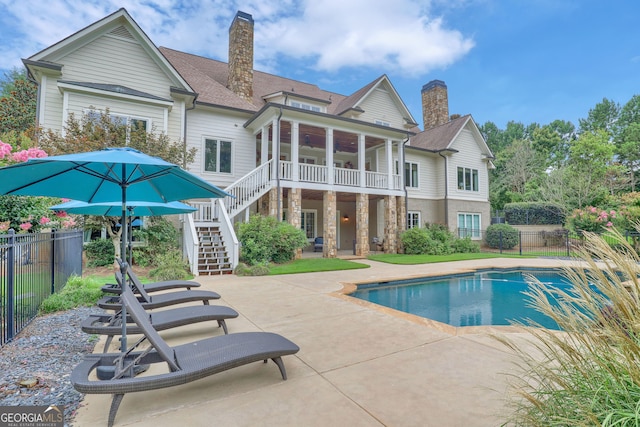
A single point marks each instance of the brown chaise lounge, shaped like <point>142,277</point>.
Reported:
<point>135,283</point>
<point>111,325</point>
<point>184,363</point>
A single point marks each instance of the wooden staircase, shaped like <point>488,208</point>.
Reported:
<point>212,253</point>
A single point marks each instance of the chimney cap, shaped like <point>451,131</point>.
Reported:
<point>243,16</point>
<point>432,84</point>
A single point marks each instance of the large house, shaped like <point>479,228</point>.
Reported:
<point>353,169</point>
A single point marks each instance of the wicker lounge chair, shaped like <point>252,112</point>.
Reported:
<point>134,281</point>
<point>112,302</point>
<point>110,324</point>
<point>184,363</point>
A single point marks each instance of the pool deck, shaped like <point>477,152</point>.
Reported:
<point>358,364</point>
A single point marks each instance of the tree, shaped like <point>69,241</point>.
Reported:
<point>602,117</point>
<point>18,103</point>
<point>91,133</point>
<point>628,151</point>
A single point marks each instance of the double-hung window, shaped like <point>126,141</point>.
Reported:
<point>468,179</point>
<point>128,123</point>
<point>411,174</point>
<point>469,225</point>
<point>217,156</point>
<point>413,219</point>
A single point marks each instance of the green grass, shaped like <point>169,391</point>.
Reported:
<point>429,259</point>
<point>78,291</point>
<point>310,265</point>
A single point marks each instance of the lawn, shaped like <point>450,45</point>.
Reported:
<point>309,265</point>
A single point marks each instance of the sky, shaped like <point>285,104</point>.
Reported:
<point>528,61</point>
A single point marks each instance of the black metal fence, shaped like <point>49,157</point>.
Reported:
<point>32,267</point>
<point>552,243</point>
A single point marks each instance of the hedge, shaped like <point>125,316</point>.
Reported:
<point>533,213</point>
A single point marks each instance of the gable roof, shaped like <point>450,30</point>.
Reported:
<point>48,56</point>
<point>441,138</point>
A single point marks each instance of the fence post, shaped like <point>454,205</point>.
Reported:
<point>567,243</point>
<point>52,261</point>
<point>11,261</point>
<point>520,240</point>
<point>500,241</point>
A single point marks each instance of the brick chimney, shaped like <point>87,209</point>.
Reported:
<point>435,104</point>
<point>240,79</point>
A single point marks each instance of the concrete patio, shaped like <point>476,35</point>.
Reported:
<point>358,364</point>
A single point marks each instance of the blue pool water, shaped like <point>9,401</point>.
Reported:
<point>488,297</point>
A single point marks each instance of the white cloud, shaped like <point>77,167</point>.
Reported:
<point>383,35</point>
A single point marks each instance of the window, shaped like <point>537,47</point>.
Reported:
<point>130,122</point>
<point>307,160</point>
<point>469,225</point>
<point>382,123</point>
<point>304,106</point>
<point>468,179</point>
<point>411,174</point>
<point>308,223</point>
<point>413,219</point>
<point>217,156</point>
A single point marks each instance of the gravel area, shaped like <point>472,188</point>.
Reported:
<point>44,353</point>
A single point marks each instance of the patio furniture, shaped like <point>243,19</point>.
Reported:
<point>317,244</point>
<point>111,324</point>
<point>184,363</point>
<point>135,282</point>
<point>112,302</point>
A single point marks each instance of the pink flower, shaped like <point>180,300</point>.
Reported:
<point>609,224</point>
<point>68,223</point>
<point>4,226</point>
<point>593,210</point>
<point>26,226</point>
<point>44,220</point>
<point>5,150</point>
<point>61,214</point>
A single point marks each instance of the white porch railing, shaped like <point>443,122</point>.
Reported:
<point>312,173</point>
<point>342,176</point>
<point>190,241</point>
<point>248,189</point>
<point>227,231</point>
<point>286,170</point>
<point>376,180</point>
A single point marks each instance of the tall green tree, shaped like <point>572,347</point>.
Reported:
<point>602,117</point>
<point>17,103</point>
<point>628,150</point>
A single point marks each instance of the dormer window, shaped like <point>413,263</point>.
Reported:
<point>305,106</point>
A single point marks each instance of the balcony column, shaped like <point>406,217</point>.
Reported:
<point>362,224</point>
<point>401,161</point>
<point>402,220</point>
<point>361,169</point>
<point>275,148</point>
<point>329,226</point>
<point>390,225</point>
<point>389,153</point>
<point>295,168</point>
<point>294,206</point>
<point>329,144</point>
<point>264,145</point>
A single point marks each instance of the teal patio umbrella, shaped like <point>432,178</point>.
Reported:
<point>134,208</point>
<point>108,175</point>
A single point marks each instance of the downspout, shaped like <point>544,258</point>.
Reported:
<point>406,192</point>
<point>446,190</point>
<point>184,137</point>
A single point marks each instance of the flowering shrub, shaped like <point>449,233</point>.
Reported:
<point>593,219</point>
<point>23,213</point>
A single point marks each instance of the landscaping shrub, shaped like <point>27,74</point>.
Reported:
<point>265,239</point>
<point>100,253</point>
<point>161,236</point>
<point>171,266</point>
<point>254,270</point>
<point>502,236</point>
<point>533,213</point>
<point>77,292</point>
<point>592,219</point>
<point>435,239</point>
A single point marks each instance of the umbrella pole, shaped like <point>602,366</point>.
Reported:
<point>123,271</point>
<point>130,240</point>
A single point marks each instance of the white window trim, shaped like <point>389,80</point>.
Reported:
<point>476,233</point>
<point>464,173</point>
<point>315,222</point>
<point>382,123</point>
<point>128,119</point>
<point>419,224</point>
<point>306,106</point>
<point>417,186</point>
<point>204,147</point>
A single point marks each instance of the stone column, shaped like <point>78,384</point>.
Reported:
<point>362,224</point>
<point>402,221</point>
<point>390,225</point>
<point>263,205</point>
<point>273,203</point>
<point>294,206</point>
<point>329,247</point>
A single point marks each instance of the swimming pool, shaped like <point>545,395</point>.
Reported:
<point>486,297</point>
